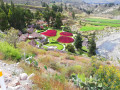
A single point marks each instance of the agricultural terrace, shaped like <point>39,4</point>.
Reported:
<point>103,22</point>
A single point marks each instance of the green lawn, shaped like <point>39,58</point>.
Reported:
<point>39,31</point>
<point>59,46</point>
<point>90,28</point>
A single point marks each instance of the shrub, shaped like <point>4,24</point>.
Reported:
<point>30,50</point>
<point>56,66</point>
<point>9,51</point>
<point>47,60</point>
<point>70,48</point>
<point>109,76</point>
<point>86,83</point>
<point>60,78</point>
<point>73,69</point>
<point>55,54</point>
<point>70,57</point>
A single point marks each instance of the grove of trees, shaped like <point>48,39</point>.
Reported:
<point>14,16</point>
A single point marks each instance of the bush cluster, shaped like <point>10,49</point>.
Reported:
<point>9,51</point>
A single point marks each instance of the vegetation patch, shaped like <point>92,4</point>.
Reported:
<point>70,57</point>
<point>104,24</point>
<point>9,52</point>
<point>90,28</point>
<point>103,20</point>
<point>59,46</point>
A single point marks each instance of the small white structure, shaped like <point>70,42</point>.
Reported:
<point>2,83</point>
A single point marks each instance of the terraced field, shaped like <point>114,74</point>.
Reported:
<point>103,22</point>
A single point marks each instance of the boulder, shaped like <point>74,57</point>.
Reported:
<point>23,76</point>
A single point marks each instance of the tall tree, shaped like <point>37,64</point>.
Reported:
<point>55,8</point>
<point>3,20</point>
<point>38,15</point>
<point>92,46</point>
<point>78,42</point>
<point>17,18</point>
<point>65,6</point>
<point>47,15</point>
<point>28,16</point>
<point>53,17</point>
<point>73,15</point>
<point>58,22</point>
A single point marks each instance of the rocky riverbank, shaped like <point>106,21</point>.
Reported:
<point>109,46</point>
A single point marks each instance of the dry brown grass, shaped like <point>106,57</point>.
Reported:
<point>55,54</point>
<point>43,81</point>
<point>28,69</point>
<point>1,56</point>
<point>46,60</point>
<point>70,57</point>
<point>59,62</point>
<point>25,47</point>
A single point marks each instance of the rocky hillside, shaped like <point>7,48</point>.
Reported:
<point>38,2</point>
<point>15,78</point>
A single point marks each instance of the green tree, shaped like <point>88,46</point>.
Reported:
<point>58,22</point>
<point>12,37</point>
<point>28,16</point>
<point>61,7</point>
<point>92,46</point>
<point>47,15</point>
<point>38,15</point>
<point>16,18</point>
<point>57,8</point>
<point>53,17</point>
<point>3,20</point>
<point>73,15</point>
<point>44,4</point>
<point>54,7</point>
<point>78,42</point>
<point>65,6</point>
<point>2,5</point>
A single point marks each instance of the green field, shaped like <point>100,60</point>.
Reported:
<point>103,20</point>
<point>104,24</point>
<point>90,28</point>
